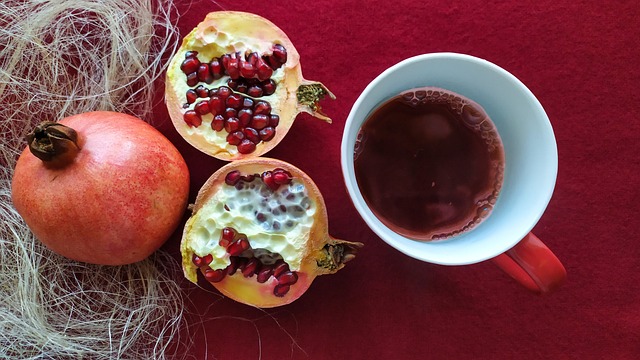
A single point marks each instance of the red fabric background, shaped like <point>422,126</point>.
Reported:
<point>581,60</point>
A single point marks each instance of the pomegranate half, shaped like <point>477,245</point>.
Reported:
<point>101,187</point>
<point>235,86</point>
<point>258,233</point>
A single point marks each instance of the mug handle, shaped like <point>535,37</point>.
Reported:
<point>533,265</point>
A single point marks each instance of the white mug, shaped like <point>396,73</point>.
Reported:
<point>531,164</point>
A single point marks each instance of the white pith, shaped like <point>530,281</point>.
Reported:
<point>210,44</point>
<point>206,225</point>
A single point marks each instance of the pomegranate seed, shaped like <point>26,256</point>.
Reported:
<point>279,268</point>
<point>247,103</point>
<point>230,112</point>
<point>224,92</point>
<point>216,69</point>
<point>234,138</point>
<point>281,178</point>
<point>281,290</point>
<point>202,107</point>
<point>267,178</point>
<point>214,275</point>
<point>192,118</point>
<point>263,70</point>
<point>255,91</point>
<point>231,179</point>
<point>207,259</point>
<point>190,54</point>
<point>233,84</point>
<point>190,65</point>
<point>272,61</point>
<point>247,70</point>
<point>262,107</point>
<point>192,79</point>
<point>201,91</point>
<point>245,115</point>
<point>274,120</point>
<point>251,267</point>
<point>264,274</point>
<point>234,265</point>
<point>246,146</point>
<point>259,121</point>
<point>248,178</point>
<point>238,247</point>
<point>279,53</point>
<point>267,133</point>
<point>197,260</point>
<point>224,60</point>
<point>252,58</point>
<point>231,125</point>
<point>192,96</point>
<point>252,135</point>
<point>218,123</point>
<point>287,278</point>
<point>213,92</point>
<point>204,74</point>
<point>228,234</point>
<point>234,101</point>
<point>232,68</point>
<point>269,87</point>
<point>216,105</point>
<point>242,87</point>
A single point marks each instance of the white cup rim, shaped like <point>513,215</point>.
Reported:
<point>432,251</point>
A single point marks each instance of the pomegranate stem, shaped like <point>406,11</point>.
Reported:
<point>53,143</point>
<point>311,93</point>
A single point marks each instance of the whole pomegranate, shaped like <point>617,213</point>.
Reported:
<point>235,86</point>
<point>101,187</point>
<point>258,233</point>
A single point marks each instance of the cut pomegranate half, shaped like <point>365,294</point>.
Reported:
<point>258,233</point>
<point>237,71</point>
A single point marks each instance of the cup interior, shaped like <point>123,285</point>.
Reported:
<point>531,158</point>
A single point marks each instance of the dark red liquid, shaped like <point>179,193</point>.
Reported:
<point>429,163</point>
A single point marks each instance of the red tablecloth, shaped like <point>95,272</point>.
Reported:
<point>581,60</point>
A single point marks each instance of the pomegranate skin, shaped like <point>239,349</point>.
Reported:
<point>116,202</point>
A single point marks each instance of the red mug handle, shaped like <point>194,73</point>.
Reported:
<point>533,265</point>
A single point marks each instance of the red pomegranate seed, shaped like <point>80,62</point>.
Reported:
<point>234,265</point>
<point>228,234</point>
<point>272,61</point>
<point>190,54</point>
<point>255,91</point>
<point>252,58</point>
<point>204,74</point>
<point>267,133</point>
<point>248,178</point>
<point>216,105</point>
<point>281,290</point>
<point>259,121</point>
<point>232,68</point>
<point>190,65</point>
<point>280,53</point>
<point>287,278</point>
<point>245,115</point>
<point>197,260</point>
<point>274,120</point>
<point>224,92</point>
<point>247,103</point>
<point>231,178</point>
<point>213,92</point>
<point>235,138</point>
<point>201,91</point>
<point>252,266</point>
<point>234,101</point>
<point>251,134</point>
<point>238,247</point>
<point>202,107</point>
<point>267,178</point>
<point>224,60</point>
<point>281,178</point>
<point>192,118</point>
<point>218,123</point>
<point>233,84</point>
<point>242,87</point>
<point>192,96</point>
<point>247,70</point>
<point>269,87</point>
<point>264,274</point>
<point>216,69</point>
<point>230,112</point>
<point>246,146</point>
<point>279,268</point>
<point>231,125</point>
<point>192,79</point>
<point>262,107</point>
<point>263,70</point>
<point>207,259</point>
<point>214,275</point>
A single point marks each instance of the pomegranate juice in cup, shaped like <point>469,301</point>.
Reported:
<point>450,159</point>
<point>429,163</point>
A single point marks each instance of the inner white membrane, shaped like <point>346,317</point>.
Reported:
<point>274,220</point>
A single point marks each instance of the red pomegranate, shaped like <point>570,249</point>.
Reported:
<point>235,86</point>
<point>258,233</point>
<point>101,187</point>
